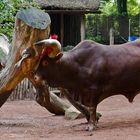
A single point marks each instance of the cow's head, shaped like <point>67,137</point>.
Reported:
<point>50,48</point>
<point>49,51</point>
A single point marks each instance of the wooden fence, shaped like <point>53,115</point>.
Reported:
<point>98,28</point>
<point>24,90</point>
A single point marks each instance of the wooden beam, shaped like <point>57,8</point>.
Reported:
<point>71,11</point>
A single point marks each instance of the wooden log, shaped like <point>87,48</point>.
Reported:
<point>54,104</point>
<point>72,113</point>
<point>31,26</point>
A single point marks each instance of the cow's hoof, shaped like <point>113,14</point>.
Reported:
<point>90,127</point>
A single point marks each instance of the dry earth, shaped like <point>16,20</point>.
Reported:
<point>26,120</point>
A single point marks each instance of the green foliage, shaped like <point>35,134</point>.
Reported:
<point>133,7</point>
<point>8,9</point>
<point>94,24</point>
<point>110,8</point>
<point>98,26</point>
<point>7,17</point>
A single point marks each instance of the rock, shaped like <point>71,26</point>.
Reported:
<point>72,113</point>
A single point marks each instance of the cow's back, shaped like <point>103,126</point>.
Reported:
<point>115,69</point>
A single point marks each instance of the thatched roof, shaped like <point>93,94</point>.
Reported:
<point>85,5</point>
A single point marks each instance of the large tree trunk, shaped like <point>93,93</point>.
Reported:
<point>49,100</point>
<point>31,26</point>
<point>122,7</point>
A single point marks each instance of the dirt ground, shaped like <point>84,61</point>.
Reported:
<point>26,120</point>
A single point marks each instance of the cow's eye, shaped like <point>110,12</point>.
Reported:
<point>44,63</point>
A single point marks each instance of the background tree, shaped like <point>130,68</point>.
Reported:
<point>123,18</point>
<point>97,25</point>
<point>122,7</point>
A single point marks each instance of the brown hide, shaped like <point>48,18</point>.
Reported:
<point>92,72</point>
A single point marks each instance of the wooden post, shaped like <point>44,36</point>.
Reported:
<point>82,29</point>
<point>111,35</point>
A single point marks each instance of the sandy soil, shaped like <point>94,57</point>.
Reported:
<point>26,120</point>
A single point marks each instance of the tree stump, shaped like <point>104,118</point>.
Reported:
<point>31,26</point>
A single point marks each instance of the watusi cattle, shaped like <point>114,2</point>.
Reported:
<point>91,72</point>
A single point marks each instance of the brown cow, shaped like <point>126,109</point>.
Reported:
<point>91,71</point>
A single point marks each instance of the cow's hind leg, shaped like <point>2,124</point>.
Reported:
<point>92,119</point>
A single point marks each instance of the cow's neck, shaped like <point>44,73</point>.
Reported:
<point>66,72</point>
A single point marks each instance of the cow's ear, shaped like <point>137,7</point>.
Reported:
<point>58,56</point>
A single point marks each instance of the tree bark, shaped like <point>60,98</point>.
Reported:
<point>31,26</point>
<point>50,101</point>
<point>53,103</point>
<point>122,7</point>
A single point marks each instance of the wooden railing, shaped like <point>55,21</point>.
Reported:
<point>24,90</point>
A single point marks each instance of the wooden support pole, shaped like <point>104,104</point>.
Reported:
<point>82,27</point>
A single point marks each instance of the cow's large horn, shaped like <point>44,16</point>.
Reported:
<point>51,47</point>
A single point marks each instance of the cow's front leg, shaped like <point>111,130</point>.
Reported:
<point>92,119</point>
